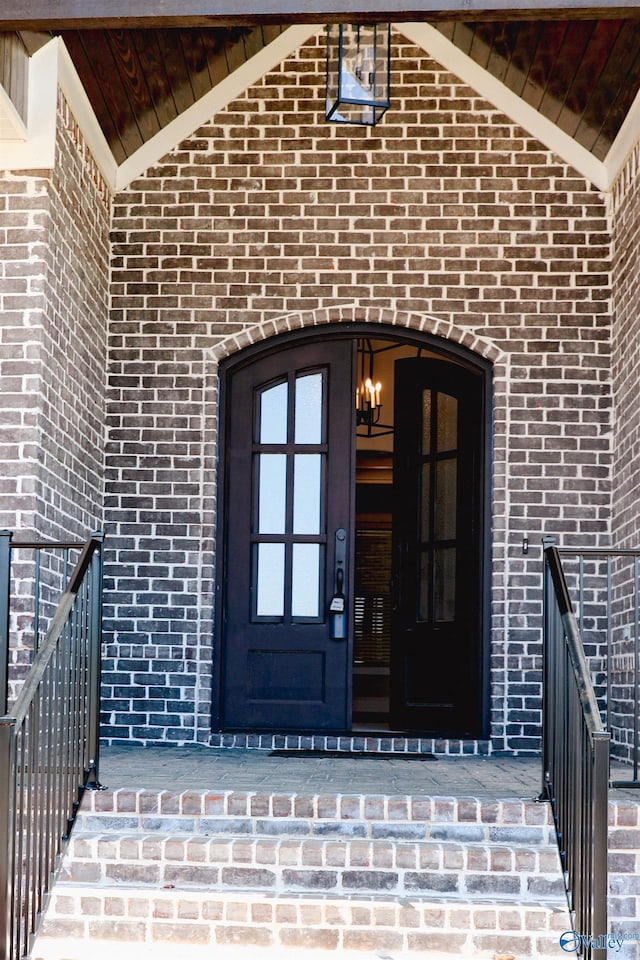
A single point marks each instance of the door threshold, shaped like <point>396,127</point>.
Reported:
<point>383,742</point>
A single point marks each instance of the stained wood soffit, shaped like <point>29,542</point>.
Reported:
<point>81,14</point>
<point>582,75</point>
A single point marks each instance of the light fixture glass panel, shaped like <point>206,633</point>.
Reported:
<point>270,580</point>
<point>273,414</point>
<point>308,417</point>
<point>305,581</point>
<point>307,477</point>
<point>272,492</point>
<point>446,499</point>
<point>357,72</point>
<point>447,422</point>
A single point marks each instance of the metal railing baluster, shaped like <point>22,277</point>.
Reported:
<point>636,670</point>
<point>575,758</point>
<point>48,740</point>
<point>623,610</point>
<point>5,599</point>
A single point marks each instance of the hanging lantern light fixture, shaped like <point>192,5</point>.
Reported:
<point>358,68</point>
<point>369,392</point>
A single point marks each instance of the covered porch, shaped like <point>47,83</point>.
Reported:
<point>279,769</point>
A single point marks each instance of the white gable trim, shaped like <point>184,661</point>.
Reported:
<point>11,124</point>
<point>52,66</point>
<point>448,56</point>
<point>81,108</point>
<point>207,106</point>
<point>624,143</point>
<point>36,150</point>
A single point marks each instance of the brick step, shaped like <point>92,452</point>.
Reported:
<point>363,816</point>
<point>428,875</point>
<point>89,914</point>
<point>310,864</point>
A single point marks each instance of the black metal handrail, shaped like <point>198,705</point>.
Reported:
<point>575,762</point>
<point>33,576</point>
<point>49,753</point>
<point>605,585</point>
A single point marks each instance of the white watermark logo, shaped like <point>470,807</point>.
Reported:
<point>571,942</point>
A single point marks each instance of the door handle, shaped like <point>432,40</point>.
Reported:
<point>338,605</point>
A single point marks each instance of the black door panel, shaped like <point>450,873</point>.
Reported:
<point>435,662</point>
<point>288,490</point>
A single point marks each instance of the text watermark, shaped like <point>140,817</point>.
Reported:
<point>572,942</point>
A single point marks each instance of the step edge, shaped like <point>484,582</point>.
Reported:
<point>211,893</point>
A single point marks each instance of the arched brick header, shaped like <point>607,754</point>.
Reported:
<point>352,313</point>
<point>389,323</point>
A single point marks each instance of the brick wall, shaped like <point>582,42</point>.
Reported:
<point>73,345</point>
<point>53,312</point>
<point>625,211</point>
<point>446,217</point>
<point>625,218</point>
<point>624,867</point>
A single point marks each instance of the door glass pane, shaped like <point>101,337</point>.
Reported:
<point>272,492</point>
<point>424,587</point>
<point>447,422</point>
<point>446,499</point>
<point>273,414</point>
<point>307,475</point>
<point>305,583</point>
<point>426,421</point>
<point>444,595</point>
<point>270,580</point>
<point>308,416</point>
<point>425,502</point>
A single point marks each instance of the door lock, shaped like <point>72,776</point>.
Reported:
<point>338,604</point>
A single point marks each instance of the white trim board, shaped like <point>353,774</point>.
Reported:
<point>11,125</point>
<point>628,138</point>
<point>36,151</point>
<point>81,108</point>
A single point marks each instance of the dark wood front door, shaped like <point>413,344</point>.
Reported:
<point>289,491</point>
<point>436,665</point>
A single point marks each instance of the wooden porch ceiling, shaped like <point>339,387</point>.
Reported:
<point>581,74</point>
<point>138,81</point>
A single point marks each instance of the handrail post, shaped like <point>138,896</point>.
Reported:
<point>95,661</point>
<point>576,760</point>
<point>7,835</point>
<point>5,595</point>
<point>546,671</point>
<point>601,742</point>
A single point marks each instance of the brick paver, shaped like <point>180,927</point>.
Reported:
<point>197,768</point>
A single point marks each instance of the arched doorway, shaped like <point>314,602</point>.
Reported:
<point>353,568</point>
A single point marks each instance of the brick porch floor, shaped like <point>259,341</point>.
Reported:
<point>195,768</point>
